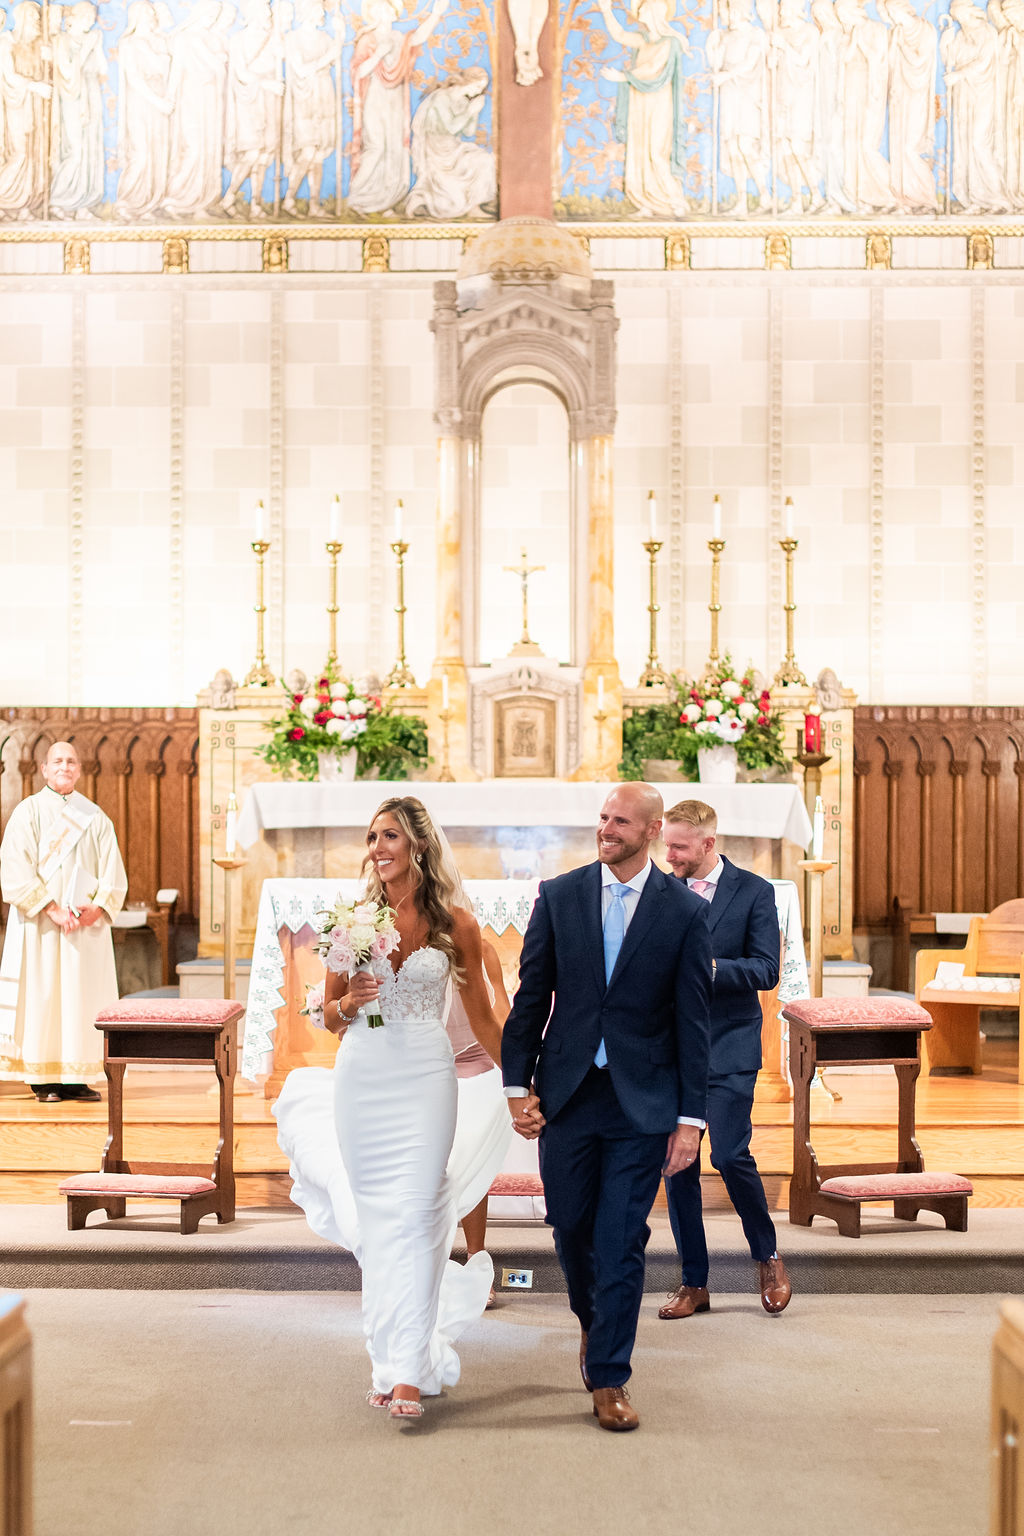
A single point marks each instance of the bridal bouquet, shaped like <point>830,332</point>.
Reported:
<point>314,1009</point>
<point>352,933</point>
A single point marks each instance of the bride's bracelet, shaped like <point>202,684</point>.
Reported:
<point>343,1017</point>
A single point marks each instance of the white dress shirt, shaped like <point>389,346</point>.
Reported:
<point>630,902</point>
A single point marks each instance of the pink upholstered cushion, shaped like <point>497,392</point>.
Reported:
<point>171,1010</point>
<point>153,1185</point>
<point>890,1186</point>
<point>873,1011</point>
<point>517,1184</point>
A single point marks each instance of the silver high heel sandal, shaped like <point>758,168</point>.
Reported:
<point>378,1399</point>
<point>406,1403</point>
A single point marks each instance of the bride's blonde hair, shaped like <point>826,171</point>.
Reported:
<point>436,885</point>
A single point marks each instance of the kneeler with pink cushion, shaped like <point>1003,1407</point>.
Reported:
<point>174,1032</point>
<point>863,1031</point>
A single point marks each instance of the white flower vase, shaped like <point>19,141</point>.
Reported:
<point>717,765</point>
<point>337,767</point>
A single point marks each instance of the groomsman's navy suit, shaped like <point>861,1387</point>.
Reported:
<point>607,1130</point>
<point>744,928</point>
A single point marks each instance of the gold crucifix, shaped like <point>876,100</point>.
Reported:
<point>525,646</point>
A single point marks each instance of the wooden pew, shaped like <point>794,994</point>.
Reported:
<point>994,950</point>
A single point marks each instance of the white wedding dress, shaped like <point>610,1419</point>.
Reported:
<point>371,1154</point>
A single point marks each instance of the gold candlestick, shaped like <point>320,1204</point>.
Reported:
<point>816,870</point>
<point>601,716</point>
<point>230,864</point>
<point>400,676</point>
<point>653,673</point>
<point>334,549</point>
<point>259,674</point>
<point>714,660</point>
<point>445,776</point>
<point>789,672</point>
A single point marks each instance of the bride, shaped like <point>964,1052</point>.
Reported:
<point>390,1197</point>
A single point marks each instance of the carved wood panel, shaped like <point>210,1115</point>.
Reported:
<point>939,809</point>
<point>139,765</point>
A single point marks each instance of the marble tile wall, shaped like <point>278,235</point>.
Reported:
<point>141,418</point>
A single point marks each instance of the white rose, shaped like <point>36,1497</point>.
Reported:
<point>731,689</point>
<point>365,912</point>
<point>713,706</point>
<point>747,711</point>
<point>706,728</point>
<point>357,706</point>
<point>334,727</point>
<point>692,712</point>
<point>361,936</point>
<point>310,707</point>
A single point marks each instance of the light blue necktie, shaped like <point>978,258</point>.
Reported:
<point>614,933</point>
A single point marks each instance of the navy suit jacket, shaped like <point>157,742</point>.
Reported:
<point>652,1014</point>
<point>744,927</point>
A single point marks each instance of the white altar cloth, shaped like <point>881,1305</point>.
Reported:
<point>499,905</point>
<point>744,810</point>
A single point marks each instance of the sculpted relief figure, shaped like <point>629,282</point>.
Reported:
<point>143,113</point>
<point>253,118</point>
<point>527,18</point>
<point>23,93</point>
<point>738,58</point>
<point>310,110</point>
<point>970,60</point>
<point>828,119</point>
<point>196,86</point>
<point>454,175</point>
<point>862,92</point>
<point>79,70</point>
<point>650,110</point>
<point>911,107</point>
<point>795,46</point>
<point>1010,112</point>
<point>382,64</point>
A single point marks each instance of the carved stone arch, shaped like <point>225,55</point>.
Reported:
<point>525,307</point>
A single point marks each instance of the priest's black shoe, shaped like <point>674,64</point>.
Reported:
<point>46,1093</point>
<point>78,1091</point>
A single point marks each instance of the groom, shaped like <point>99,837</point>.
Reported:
<point>616,963</point>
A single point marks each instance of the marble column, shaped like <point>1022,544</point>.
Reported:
<point>450,659</point>
<point>601,739</point>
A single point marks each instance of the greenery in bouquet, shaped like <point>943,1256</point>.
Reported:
<point>727,708</point>
<point>332,717</point>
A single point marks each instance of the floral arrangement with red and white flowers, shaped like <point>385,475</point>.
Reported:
<point>724,708</point>
<point>332,716</point>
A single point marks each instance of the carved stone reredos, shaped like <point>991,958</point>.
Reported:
<point>525,306</point>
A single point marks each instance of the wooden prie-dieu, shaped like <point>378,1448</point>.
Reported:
<point>859,1031</point>
<point>173,1032</point>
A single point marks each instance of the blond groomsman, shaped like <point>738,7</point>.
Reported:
<point>61,871</point>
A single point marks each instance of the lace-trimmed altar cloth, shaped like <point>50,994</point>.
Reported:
<point>290,905</point>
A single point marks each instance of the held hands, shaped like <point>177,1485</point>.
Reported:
<point>527,1119</point>
<point>682,1149</point>
<point>90,915</point>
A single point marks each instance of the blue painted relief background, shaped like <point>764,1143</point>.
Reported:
<point>784,108</point>
<point>196,109</point>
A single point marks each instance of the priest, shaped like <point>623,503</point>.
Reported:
<point>61,871</point>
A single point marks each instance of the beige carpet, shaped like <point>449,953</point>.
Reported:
<point>226,1413</point>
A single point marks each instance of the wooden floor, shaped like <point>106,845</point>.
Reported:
<point>968,1125</point>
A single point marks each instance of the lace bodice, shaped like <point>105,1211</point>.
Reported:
<point>419,989</point>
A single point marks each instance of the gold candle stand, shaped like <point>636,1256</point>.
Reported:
<point>445,776</point>
<point>600,716</point>
<point>259,674</point>
<point>230,863</point>
<point>653,673</point>
<point>812,763</point>
<point>334,549</point>
<point>816,870</point>
<point>400,676</point>
<point>789,672</point>
<point>714,660</point>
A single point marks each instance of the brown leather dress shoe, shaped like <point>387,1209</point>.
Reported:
<point>613,1409</point>
<point>775,1287</point>
<point>686,1301</point>
<point>583,1362</point>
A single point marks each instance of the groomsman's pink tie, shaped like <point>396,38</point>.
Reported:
<point>703,888</point>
